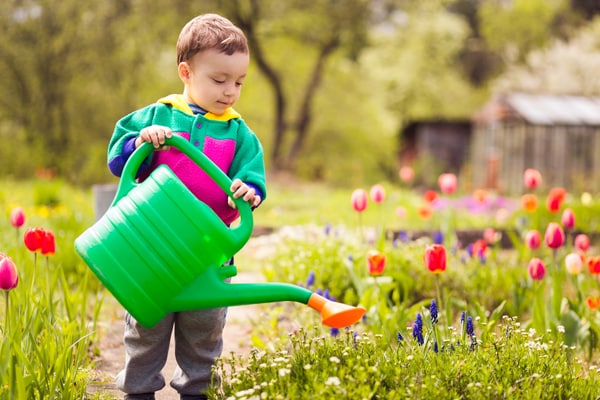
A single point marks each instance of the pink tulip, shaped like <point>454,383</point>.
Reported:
<point>400,212</point>
<point>359,200</point>
<point>447,183</point>
<point>491,236</point>
<point>568,219</point>
<point>377,193</point>
<point>582,242</point>
<point>9,278</point>
<point>532,178</point>
<point>17,217</point>
<point>533,239</point>
<point>573,263</point>
<point>536,269</point>
<point>555,236</point>
<point>406,174</point>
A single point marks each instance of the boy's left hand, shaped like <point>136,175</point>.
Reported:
<point>240,189</point>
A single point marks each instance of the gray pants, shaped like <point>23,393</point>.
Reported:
<point>198,341</point>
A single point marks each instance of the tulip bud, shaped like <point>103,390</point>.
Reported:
<point>376,262</point>
<point>447,183</point>
<point>435,258</point>
<point>17,217</point>
<point>582,242</point>
<point>529,202</point>
<point>359,200</point>
<point>568,219</point>
<point>573,263</point>
<point>48,247</point>
<point>532,178</point>
<point>555,236</point>
<point>533,239</point>
<point>9,278</point>
<point>33,238</point>
<point>377,193</point>
<point>536,269</point>
<point>406,174</point>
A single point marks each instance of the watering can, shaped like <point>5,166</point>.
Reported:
<point>159,249</point>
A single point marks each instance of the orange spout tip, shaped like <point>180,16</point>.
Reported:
<point>334,314</point>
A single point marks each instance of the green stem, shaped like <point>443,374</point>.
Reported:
<point>6,319</point>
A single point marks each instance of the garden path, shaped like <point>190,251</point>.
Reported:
<point>111,357</point>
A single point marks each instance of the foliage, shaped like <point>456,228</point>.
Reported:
<point>70,70</point>
<point>48,321</point>
<point>511,363</point>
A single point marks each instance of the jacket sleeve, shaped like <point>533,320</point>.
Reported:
<point>248,163</point>
<point>122,142</point>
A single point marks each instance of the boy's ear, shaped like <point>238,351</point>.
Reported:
<point>184,71</point>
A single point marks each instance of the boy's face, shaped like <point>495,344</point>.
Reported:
<point>213,80</point>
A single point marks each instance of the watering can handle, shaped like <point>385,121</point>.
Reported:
<point>216,174</point>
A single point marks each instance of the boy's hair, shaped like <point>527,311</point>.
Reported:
<point>210,31</point>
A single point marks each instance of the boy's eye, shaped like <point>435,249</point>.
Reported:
<point>219,80</point>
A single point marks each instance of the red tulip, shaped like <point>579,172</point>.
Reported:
<point>430,196</point>
<point>532,178</point>
<point>554,237</point>
<point>406,174</point>
<point>33,239</point>
<point>533,239</point>
<point>17,217</point>
<point>48,247</point>
<point>377,193</point>
<point>529,202</point>
<point>359,200</point>
<point>555,199</point>
<point>593,302</point>
<point>448,183</point>
<point>435,258</point>
<point>479,247</point>
<point>568,219</point>
<point>9,278</point>
<point>582,242</point>
<point>536,269</point>
<point>376,262</point>
<point>594,265</point>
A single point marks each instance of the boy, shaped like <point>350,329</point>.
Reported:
<point>212,61</point>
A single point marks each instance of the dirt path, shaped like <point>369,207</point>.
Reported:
<point>112,355</point>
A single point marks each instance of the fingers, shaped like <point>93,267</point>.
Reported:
<point>155,134</point>
<point>247,193</point>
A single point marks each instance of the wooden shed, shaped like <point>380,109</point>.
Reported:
<point>558,135</point>
<point>443,142</point>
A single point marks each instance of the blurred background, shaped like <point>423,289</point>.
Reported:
<point>344,92</point>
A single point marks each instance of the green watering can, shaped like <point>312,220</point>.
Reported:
<point>158,249</point>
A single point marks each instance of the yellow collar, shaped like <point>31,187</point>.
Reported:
<point>178,101</point>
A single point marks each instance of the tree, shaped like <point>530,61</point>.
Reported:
<point>317,29</point>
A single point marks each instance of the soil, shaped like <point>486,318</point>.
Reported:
<point>111,354</point>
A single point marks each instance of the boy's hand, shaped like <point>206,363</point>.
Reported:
<point>240,189</point>
<point>154,134</point>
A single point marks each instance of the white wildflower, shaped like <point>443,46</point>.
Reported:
<point>333,381</point>
<point>560,329</point>
<point>243,393</point>
<point>334,359</point>
<point>284,372</point>
<point>307,367</point>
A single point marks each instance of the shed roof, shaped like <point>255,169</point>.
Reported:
<point>544,109</point>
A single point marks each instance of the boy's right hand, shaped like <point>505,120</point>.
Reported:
<point>154,134</point>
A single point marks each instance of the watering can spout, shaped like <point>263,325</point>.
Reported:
<point>209,290</point>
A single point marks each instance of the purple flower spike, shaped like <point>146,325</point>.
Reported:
<point>311,279</point>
